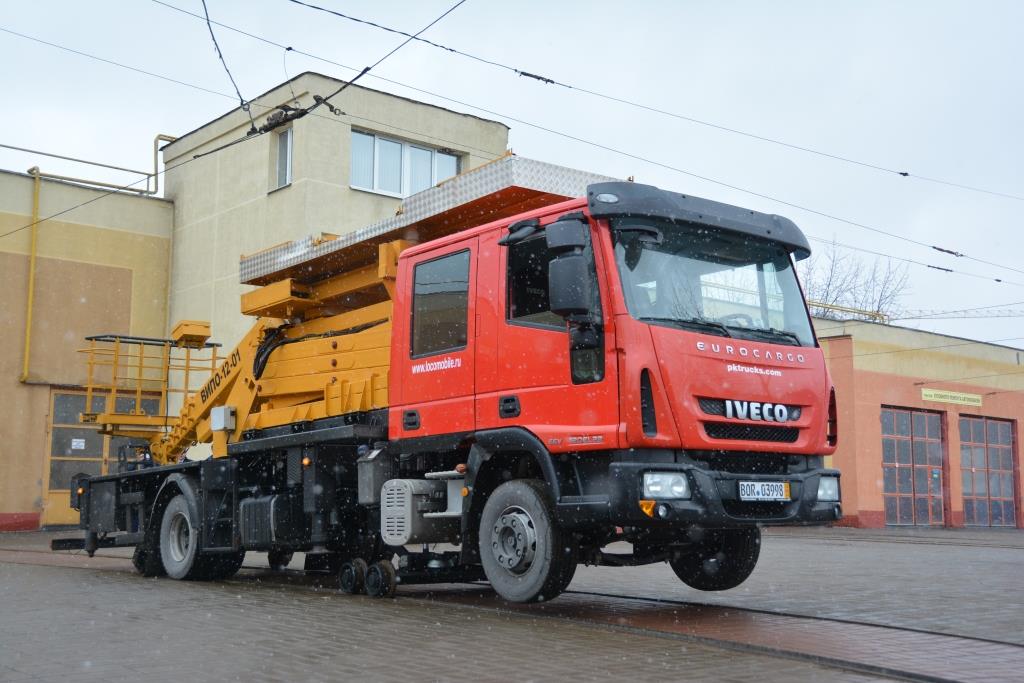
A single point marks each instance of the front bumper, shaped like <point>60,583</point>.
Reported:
<point>714,500</point>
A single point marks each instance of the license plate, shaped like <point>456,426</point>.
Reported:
<point>764,490</point>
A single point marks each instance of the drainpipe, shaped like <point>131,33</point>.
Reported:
<point>36,185</point>
<point>156,160</point>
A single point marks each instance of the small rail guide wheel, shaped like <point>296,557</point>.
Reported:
<point>381,580</point>
<point>352,577</point>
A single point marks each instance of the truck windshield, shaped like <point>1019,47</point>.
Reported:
<point>709,280</point>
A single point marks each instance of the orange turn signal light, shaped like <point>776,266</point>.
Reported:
<point>81,490</point>
<point>465,491</point>
<point>306,462</point>
<point>647,507</point>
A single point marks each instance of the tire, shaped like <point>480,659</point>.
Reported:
<point>722,561</point>
<point>279,559</point>
<point>179,541</point>
<point>523,552</point>
<point>146,560</point>
<point>220,566</point>
<point>381,580</point>
<point>352,578</point>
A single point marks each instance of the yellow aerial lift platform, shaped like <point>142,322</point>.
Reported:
<point>320,345</point>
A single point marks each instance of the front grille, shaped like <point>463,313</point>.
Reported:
<point>712,406</point>
<point>716,407</point>
<point>743,432</point>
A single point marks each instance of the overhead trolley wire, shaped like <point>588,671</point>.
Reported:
<point>285,115</point>
<point>460,145</point>
<point>582,140</point>
<point>243,103</point>
<point>393,51</point>
<point>225,95</point>
<point>656,110</point>
<point>591,143</point>
<point>911,261</point>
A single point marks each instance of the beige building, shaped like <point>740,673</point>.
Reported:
<point>131,264</point>
<point>323,173</point>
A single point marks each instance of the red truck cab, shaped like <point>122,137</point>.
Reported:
<point>649,354</point>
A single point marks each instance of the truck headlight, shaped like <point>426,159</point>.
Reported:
<point>828,489</point>
<point>666,485</point>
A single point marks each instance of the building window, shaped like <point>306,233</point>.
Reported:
<point>397,168</point>
<point>986,467</point>
<point>912,469</point>
<point>440,305</point>
<point>284,157</point>
<point>528,301</point>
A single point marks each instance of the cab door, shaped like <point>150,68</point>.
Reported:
<point>568,399</point>
<point>435,368</point>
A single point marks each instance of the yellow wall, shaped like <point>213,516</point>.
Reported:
<point>100,268</point>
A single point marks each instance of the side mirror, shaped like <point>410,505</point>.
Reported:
<point>570,282</point>
<point>570,285</point>
<point>567,236</point>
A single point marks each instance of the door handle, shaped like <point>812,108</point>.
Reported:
<point>508,406</point>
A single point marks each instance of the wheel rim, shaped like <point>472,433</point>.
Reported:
<point>514,540</point>
<point>348,578</point>
<point>180,534</point>
<point>374,581</point>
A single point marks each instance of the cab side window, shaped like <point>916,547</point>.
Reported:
<point>440,305</point>
<point>527,298</point>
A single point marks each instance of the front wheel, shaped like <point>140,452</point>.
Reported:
<point>524,553</point>
<point>722,560</point>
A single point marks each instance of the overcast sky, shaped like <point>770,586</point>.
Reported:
<point>933,88</point>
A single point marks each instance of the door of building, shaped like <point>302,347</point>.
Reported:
<point>986,466</point>
<point>75,448</point>
<point>912,467</point>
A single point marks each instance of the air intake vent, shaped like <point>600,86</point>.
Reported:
<point>648,418</point>
<point>742,432</point>
<point>712,406</point>
<point>395,512</point>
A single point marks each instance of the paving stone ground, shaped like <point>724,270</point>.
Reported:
<point>105,623</point>
<point>83,625</point>
<point>966,583</point>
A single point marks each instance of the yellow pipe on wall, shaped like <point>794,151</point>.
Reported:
<point>27,354</point>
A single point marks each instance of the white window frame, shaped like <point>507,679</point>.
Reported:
<point>288,161</point>
<point>406,165</point>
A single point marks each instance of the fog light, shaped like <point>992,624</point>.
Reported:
<point>664,511</point>
<point>828,489</point>
<point>666,485</point>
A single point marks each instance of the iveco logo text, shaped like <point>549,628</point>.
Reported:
<point>752,410</point>
<point>745,352</point>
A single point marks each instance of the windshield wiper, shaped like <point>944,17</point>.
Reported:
<point>772,332</point>
<point>699,323</point>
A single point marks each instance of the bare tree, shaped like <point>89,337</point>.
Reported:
<point>833,280</point>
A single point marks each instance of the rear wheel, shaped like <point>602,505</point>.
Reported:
<point>522,550</point>
<point>220,566</point>
<point>146,559</point>
<point>179,540</point>
<point>723,560</point>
